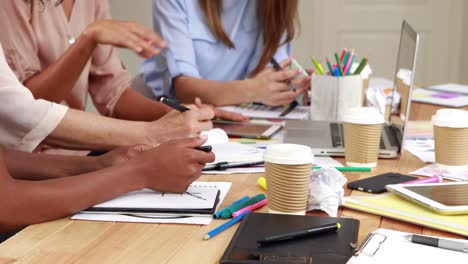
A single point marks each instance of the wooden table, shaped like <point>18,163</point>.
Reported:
<point>67,241</point>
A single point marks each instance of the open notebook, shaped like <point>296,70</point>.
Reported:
<point>226,151</point>
<point>205,190</point>
<point>197,200</point>
<point>387,246</point>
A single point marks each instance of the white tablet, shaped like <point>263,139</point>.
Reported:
<point>443,198</point>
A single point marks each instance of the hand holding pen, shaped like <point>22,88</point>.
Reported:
<point>271,87</point>
<point>182,123</point>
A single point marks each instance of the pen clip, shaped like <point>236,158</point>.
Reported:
<point>361,249</point>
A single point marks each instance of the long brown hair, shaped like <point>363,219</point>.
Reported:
<point>275,17</point>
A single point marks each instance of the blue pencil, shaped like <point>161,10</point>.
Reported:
<point>218,214</point>
<point>225,226</point>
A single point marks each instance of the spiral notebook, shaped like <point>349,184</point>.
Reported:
<point>198,199</point>
<point>195,206</point>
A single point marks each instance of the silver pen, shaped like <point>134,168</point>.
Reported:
<point>438,242</point>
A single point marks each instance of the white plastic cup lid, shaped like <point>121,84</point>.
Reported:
<point>288,154</point>
<point>363,115</point>
<point>453,118</point>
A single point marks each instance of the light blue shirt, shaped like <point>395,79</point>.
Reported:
<point>194,51</point>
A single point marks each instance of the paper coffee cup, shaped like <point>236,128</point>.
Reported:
<point>287,169</point>
<point>362,132</point>
<point>451,138</point>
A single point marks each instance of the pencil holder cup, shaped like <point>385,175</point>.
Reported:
<point>333,96</point>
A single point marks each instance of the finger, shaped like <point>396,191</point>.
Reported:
<point>232,116</point>
<point>284,75</point>
<point>198,102</point>
<point>286,63</point>
<point>192,107</point>
<point>310,71</point>
<point>204,126</point>
<point>136,150</point>
<point>285,98</point>
<point>148,34</point>
<point>130,41</point>
<point>280,88</point>
<point>302,82</point>
<point>204,114</point>
<point>201,157</point>
<point>190,142</point>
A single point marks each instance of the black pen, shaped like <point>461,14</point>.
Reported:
<point>230,165</point>
<point>206,149</point>
<point>278,68</point>
<point>294,104</point>
<point>300,233</point>
<point>173,104</point>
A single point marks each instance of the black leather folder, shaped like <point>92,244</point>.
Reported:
<point>331,248</point>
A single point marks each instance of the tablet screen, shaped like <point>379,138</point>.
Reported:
<point>449,195</point>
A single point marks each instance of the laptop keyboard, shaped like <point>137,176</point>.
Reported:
<point>392,135</point>
<point>337,135</point>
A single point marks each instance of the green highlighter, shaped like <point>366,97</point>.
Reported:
<point>318,66</point>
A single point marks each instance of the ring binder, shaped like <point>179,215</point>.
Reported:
<point>361,249</point>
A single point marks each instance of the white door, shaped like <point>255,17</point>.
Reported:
<point>372,27</point>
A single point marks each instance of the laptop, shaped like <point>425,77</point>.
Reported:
<point>327,138</point>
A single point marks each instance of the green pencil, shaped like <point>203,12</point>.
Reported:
<point>338,63</point>
<point>329,66</point>
<point>361,169</point>
<point>361,66</point>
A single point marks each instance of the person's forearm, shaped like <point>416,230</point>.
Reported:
<point>134,106</point>
<point>27,202</point>
<point>213,92</point>
<point>42,167</point>
<point>57,80</point>
<point>88,131</point>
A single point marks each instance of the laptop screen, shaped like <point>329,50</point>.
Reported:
<point>404,75</point>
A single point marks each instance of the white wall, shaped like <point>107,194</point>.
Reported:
<point>140,11</point>
<point>303,47</point>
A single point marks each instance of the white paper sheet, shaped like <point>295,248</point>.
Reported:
<point>198,220</point>
<point>421,148</point>
<point>326,162</point>
<point>432,170</point>
<point>267,112</point>
<point>236,152</point>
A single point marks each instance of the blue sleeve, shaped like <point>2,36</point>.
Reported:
<point>170,18</point>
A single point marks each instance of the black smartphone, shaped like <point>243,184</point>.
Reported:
<point>376,184</point>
